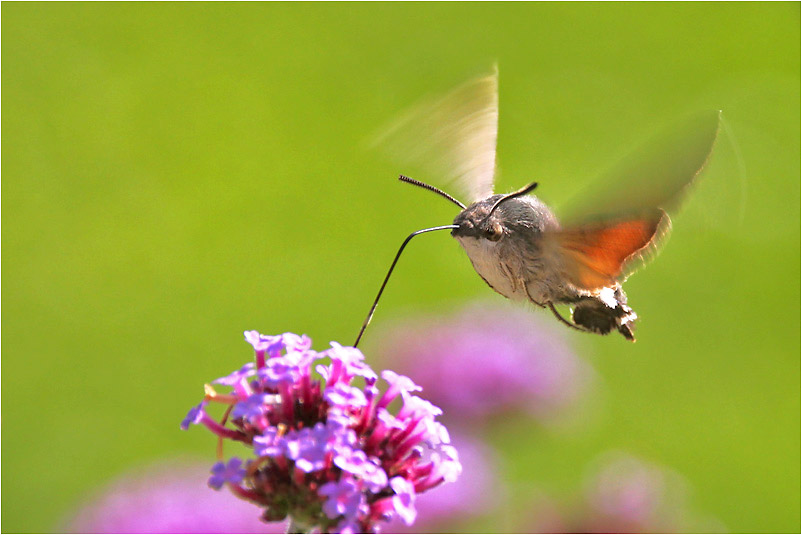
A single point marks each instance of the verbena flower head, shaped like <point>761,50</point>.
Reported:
<point>329,452</point>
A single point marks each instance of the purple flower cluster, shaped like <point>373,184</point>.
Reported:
<point>328,453</point>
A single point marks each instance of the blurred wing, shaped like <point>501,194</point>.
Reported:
<point>451,139</point>
<point>658,175</point>
<point>620,221</point>
<point>600,254</point>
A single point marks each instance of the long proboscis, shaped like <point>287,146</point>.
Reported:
<point>387,278</point>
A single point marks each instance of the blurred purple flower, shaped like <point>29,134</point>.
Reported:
<point>327,453</point>
<point>627,492</point>
<point>628,495</point>
<point>489,359</point>
<point>166,498</point>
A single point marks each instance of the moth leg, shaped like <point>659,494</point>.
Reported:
<point>484,279</point>
<point>532,299</point>
<point>565,321</point>
<point>513,280</point>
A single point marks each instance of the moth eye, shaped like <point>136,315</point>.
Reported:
<point>493,232</point>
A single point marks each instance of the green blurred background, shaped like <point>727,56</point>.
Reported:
<point>174,174</point>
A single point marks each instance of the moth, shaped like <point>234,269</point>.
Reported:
<point>516,243</point>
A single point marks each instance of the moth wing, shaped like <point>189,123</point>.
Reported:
<point>596,255</point>
<point>452,139</point>
<point>659,174</point>
<point>622,219</point>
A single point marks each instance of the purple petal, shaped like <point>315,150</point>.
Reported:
<point>344,395</point>
<point>339,418</point>
<point>289,342</point>
<point>356,463</point>
<point>389,420</point>
<point>436,433</point>
<point>230,472</point>
<point>236,377</point>
<point>348,356</point>
<point>253,407</point>
<point>268,444</point>
<point>287,369</point>
<point>309,446</point>
<point>260,343</point>
<point>323,371</point>
<point>446,463</point>
<point>398,384</point>
<point>418,408</point>
<point>346,363</point>
<point>194,416</point>
<point>274,345</point>
<point>404,499</point>
<point>343,498</point>
<point>349,525</point>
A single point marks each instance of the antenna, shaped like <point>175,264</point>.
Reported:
<point>397,256</point>
<point>423,185</point>
<point>522,191</point>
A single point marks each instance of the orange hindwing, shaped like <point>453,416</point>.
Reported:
<point>596,254</point>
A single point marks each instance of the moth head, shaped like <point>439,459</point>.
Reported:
<point>491,218</point>
<point>476,221</point>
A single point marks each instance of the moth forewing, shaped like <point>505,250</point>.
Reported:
<point>658,174</point>
<point>450,140</point>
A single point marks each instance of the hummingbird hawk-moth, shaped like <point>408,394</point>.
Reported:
<point>516,243</point>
